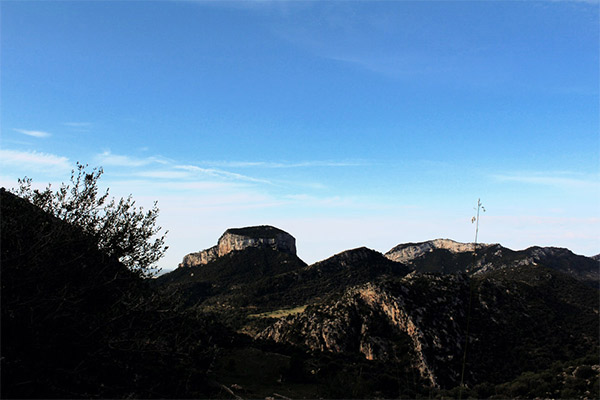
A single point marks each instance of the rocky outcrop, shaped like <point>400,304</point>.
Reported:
<point>421,318</point>
<point>408,251</point>
<point>563,260</point>
<point>447,256</point>
<point>256,236</point>
<point>200,258</point>
<point>430,320</point>
<point>238,239</point>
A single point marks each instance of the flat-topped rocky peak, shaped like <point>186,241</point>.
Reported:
<point>408,251</point>
<point>263,236</point>
<point>236,239</point>
<point>260,231</point>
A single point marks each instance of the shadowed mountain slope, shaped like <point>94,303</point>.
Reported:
<point>258,280</point>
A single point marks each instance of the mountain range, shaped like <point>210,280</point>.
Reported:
<point>247,318</point>
<point>420,305</point>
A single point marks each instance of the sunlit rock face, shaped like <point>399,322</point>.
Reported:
<point>409,251</point>
<point>236,239</point>
<point>420,318</point>
<point>257,236</point>
<point>200,258</point>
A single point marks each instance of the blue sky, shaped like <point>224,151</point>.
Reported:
<point>346,123</point>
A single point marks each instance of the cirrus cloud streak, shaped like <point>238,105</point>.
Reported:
<point>32,133</point>
<point>16,158</point>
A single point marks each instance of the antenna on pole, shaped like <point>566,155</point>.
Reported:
<point>475,219</point>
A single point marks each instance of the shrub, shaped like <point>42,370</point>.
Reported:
<point>120,228</point>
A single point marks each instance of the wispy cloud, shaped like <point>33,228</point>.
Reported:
<point>391,66</point>
<point>78,124</point>
<point>596,2</point>
<point>218,173</point>
<point>172,186</point>
<point>15,158</point>
<point>331,202</point>
<point>164,174</point>
<point>169,169</point>
<point>300,164</point>
<point>37,134</point>
<point>109,159</point>
<point>561,180</point>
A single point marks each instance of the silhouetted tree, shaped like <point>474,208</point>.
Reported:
<point>120,228</point>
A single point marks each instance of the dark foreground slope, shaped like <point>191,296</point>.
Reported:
<point>76,323</point>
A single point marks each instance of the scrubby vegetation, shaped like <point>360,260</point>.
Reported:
<point>118,228</point>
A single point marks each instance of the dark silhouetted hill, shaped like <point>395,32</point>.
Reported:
<point>77,323</point>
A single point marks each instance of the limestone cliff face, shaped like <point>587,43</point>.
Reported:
<point>409,251</point>
<point>237,239</point>
<point>200,258</point>
<point>260,236</point>
<point>384,323</point>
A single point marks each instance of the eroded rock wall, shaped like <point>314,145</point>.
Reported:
<point>407,252</point>
<point>373,320</point>
<point>231,242</point>
<point>240,239</point>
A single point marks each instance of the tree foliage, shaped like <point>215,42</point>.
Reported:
<point>121,228</point>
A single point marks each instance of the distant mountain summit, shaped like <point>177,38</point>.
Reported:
<point>408,251</point>
<point>237,239</point>
<point>447,257</point>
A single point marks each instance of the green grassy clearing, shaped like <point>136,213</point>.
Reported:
<point>279,313</point>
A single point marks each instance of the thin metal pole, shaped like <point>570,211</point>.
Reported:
<point>464,363</point>
<point>477,222</point>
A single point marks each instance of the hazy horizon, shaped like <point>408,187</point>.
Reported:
<point>344,123</point>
